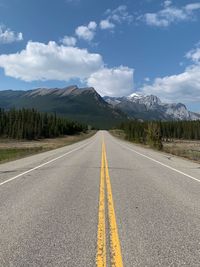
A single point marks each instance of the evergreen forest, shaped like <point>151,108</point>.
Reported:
<point>153,133</point>
<point>30,124</point>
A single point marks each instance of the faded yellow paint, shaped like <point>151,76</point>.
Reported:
<point>101,236</point>
<point>116,255</point>
<point>115,249</point>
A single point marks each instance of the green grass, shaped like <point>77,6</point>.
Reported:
<point>7,154</point>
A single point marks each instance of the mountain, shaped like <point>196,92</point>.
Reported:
<point>87,106</point>
<point>150,107</point>
<point>81,104</point>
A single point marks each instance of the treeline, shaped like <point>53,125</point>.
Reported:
<point>189,130</point>
<point>30,124</point>
<point>153,133</point>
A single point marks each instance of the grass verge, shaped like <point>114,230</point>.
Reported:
<point>182,148</point>
<point>15,149</point>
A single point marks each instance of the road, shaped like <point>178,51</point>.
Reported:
<point>100,202</point>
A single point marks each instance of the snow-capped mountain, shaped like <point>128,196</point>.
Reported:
<point>150,107</point>
<point>150,101</point>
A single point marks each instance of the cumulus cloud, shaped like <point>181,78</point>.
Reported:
<point>39,61</point>
<point>106,24</point>
<point>183,87</point>
<point>113,81</point>
<point>86,32</point>
<point>194,54</point>
<point>170,14</point>
<point>69,40</point>
<point>8,36</point>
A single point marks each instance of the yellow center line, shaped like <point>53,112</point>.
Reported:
<point>115,249</point>
<point>101,236</point>
<point>116,255</point>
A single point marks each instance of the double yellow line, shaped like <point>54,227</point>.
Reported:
<point>106,200</point>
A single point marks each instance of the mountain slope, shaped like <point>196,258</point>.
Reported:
<point>150,107</point>
<point>87,106</point>
<point>81,104</point>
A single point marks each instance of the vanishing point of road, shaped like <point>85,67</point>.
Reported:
<point>100,202</point>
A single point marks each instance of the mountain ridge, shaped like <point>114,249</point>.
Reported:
<point>151,107</point>
<point>80,104</point>
<point>87,106</point>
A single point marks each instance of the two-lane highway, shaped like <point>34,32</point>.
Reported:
<point>100,202</point>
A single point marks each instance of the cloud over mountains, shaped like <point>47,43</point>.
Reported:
<point>39,61</point>
<point>184,86</point>
<point>113,81</point>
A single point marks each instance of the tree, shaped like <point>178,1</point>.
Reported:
<point>154,138</point>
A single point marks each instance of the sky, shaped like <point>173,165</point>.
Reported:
<point>118,47</point>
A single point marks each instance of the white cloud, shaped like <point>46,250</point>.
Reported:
<point>192,7</point>
<point>115,16</point>
<point>194,55</point>
<point>183,87</point>
<point>8,36</point>
<point>120,14</point>
<point>167,3</point>
<point>106,24</point>
<point>112,82</point>
<point>39,61</point>
<point>86,32</point>
<point>147,79</point>
<point>152,19</point>
<point>170,14</point>
<point>69,40</point>
<point>92,25</point>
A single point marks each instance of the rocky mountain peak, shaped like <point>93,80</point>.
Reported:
<point>150,107</point>
<point>149,100</point>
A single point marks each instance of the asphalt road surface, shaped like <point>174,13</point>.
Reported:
<point>100,202</point>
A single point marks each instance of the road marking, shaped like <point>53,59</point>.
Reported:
<point>41,165</point>
<point>115,249</point>
<point>101,236</point>
<point>116,256</point>
<point>156,161</point>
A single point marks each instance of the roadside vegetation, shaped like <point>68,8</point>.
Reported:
<point>7,154</point>
<point>181,138</point>
<point>11,149</point>
<point>29,124</point>
<point>26,132</point>
<point>183,148</point>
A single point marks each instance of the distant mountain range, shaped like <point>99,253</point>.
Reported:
<point>150,107</point>
<point>81,104</point>
<point>87,106</point>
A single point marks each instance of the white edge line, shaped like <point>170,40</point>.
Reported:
<point>41,165</point>
<point>167,166</point>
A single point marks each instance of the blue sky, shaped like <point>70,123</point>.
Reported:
<point>119,47</point>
